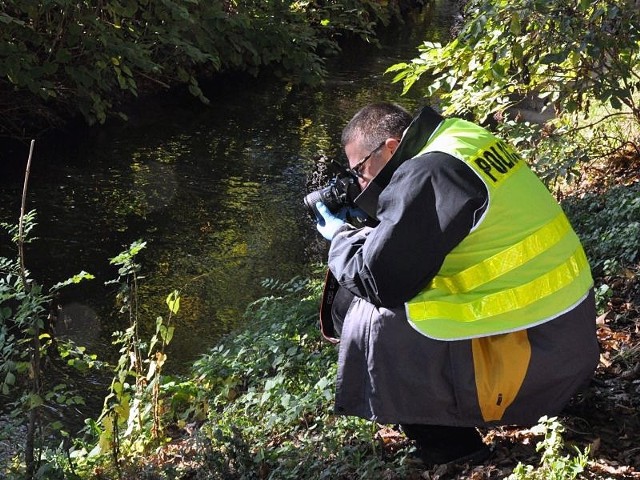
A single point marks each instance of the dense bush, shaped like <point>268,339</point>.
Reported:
<point>566,52</point>
<point>63,57</point>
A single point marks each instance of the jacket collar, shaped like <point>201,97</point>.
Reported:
<point>414,138</point>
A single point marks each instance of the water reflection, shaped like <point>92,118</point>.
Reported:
<point>215,191</point>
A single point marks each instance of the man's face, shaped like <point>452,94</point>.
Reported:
<point>367,163</point>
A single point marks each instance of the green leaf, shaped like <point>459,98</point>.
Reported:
<point>77,278</point>
<point>173,301</point>
<point>4,18</point>
<point>514,27</point>
<point>615,103</point>
<point>34,401</point>
<point>516,51</point>
<point>168,335</point>
<point>10,379</point>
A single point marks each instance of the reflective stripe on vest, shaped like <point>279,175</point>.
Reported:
<point>499,264</point>
<point>522,265</point>
<point>507,300</point>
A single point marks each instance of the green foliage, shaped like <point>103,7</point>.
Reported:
<point>566,52</point>
<point>555,157</point>
<point>571,58</point>
<point>609,226</point>
<point>67,57</point>
<point>553,465</point>
<point>270,392</point>
<point>270,356</point>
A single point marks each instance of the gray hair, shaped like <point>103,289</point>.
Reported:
<point>374,123</point>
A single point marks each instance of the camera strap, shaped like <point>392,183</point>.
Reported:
<point>416,136</point>
<point>331,287</point>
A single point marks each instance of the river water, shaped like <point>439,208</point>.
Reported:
<point>216,192</point>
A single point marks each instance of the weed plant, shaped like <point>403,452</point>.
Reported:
<point>554,464</point>
<point>34,365</point>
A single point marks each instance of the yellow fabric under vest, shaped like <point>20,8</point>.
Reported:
<point>522,264</point>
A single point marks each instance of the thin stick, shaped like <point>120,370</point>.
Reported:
<point>23,207</point>
<point>29,454</point>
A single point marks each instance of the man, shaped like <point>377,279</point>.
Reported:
<point>468,300</point>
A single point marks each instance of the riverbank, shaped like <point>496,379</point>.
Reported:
<point>259,404</point>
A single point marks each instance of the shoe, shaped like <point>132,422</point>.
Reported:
<point>436,456</point>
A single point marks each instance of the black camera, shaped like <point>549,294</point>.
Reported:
<point>341,191</point>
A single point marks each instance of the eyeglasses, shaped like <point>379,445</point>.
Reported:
<point>356,168</point>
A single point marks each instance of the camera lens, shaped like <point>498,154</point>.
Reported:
<point>332,198</point>
<point>311,200</point>
<point>340,193</point>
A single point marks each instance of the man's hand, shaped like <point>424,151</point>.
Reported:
<point>329,223</point>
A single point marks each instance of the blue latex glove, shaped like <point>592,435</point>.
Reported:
<point>329,223</point>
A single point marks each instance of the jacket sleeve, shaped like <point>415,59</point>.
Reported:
<point>429,206</point>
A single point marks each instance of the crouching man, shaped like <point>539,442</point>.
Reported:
<point>467,299</point>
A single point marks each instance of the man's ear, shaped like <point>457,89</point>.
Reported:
<point>392,144</point>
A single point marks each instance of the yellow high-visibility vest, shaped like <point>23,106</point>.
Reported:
<point>521,265</point>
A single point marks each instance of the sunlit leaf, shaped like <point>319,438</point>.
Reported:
<point>173,302</point>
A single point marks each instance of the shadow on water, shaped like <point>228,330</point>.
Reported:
<point>216,191</point>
